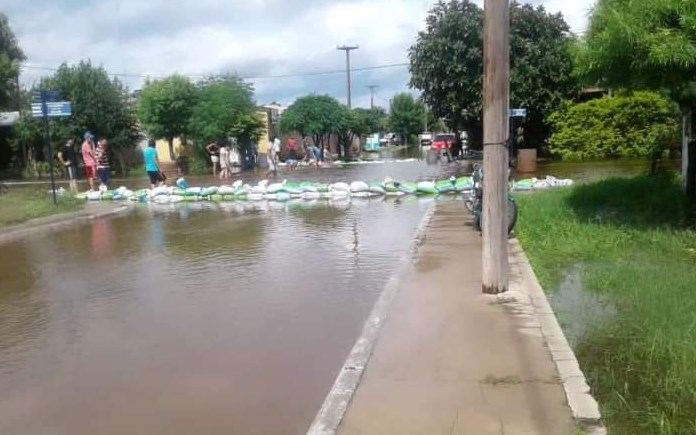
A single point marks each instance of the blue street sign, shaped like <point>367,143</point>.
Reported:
<point>53,109</point>
<point>43,95</point>
<point>518,113</point>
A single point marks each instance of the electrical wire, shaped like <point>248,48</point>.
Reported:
<point>242,76</point>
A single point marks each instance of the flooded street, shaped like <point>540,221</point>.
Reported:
<point>195,318</point>
<point>199,317</point>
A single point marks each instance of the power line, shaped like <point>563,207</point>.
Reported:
<point>246,77</point>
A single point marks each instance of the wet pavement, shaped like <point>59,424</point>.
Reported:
<point>452,360</point>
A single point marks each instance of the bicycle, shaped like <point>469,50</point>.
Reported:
<point>475,202</point>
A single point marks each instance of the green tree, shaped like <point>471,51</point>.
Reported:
<point>99,104</point>
<point>372,120</point>
<point>224,108</point>
<point>165,107</point>
<point>316,116</point>
<point>446,64</point>
<point>406,115</point>
<point>645,44</point>
<point>11,58</point>
<point>642,124</point>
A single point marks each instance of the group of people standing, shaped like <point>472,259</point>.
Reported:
<point>224,157</point>
<point>95,158</point>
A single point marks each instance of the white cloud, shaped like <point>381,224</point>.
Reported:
<point>251,37</point>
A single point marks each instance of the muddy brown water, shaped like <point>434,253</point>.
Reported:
<point>195,318</point>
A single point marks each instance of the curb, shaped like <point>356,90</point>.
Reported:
<point>336,403</point>
<point>527,295</point>
<point>60,222</point>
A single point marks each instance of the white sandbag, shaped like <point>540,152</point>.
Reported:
<point>259,189</point>
<point>237,183</point>
<point>311,195</point>
<point>161,199</point>
<point>275,187</point>
<point>359,186</point>
<point>94,195</point>
<point>226,190</point>
<point>175,198</point>
<point>157,191</point>
<point>339,194</point>
<point>362,194</point>
<point>340,187</point>
<point>256,196</point>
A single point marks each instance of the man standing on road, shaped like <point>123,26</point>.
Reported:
<point>152,163</point>
<point>89,159</point>
<point>68,159</point>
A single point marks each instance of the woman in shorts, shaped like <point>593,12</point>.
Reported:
<point>214,151</point>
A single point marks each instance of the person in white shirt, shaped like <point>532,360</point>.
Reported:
<point>224,162</point>
<point>272,157</point>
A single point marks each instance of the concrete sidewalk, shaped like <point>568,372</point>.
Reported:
<point>452,360</point>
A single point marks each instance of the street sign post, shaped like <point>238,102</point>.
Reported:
<point>518,113</point>
<point>54,109</point>
<point>514,113</point>
<point>45,105</point>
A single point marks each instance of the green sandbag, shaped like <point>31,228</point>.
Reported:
<point>444,186</point>
<point>391,187</point>
<point>209,191</point>
<point>178,191</point>
<point>306,186</point>
<point>291,187</point>
<point>377,187</point>
<point>216,197</point>
<point>107,196</point>
<point>426,188</point>
<point>408,187</point>
<point>322,187</point>
<point>463,183</point>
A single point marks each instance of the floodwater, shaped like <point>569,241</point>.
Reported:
<point>195,318</point>
<point>199,317</point>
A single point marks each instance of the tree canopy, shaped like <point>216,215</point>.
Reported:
<point>11,57</point>
<point>446,64</point>
<point>406,115</point>
<point>641,44</point>
<point>316,116</point>
<point>224,108</point>
<point>99,105</point>
<point>165,107</point>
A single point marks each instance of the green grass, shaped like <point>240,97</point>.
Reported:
<point>21,205</point>
<point>635,241</point>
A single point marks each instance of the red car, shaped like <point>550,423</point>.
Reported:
<point>442,141</point>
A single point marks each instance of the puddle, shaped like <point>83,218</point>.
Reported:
<point>578,310</point>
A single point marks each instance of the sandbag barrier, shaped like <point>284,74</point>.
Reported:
<point>282,191</point>
<point>286,190</point>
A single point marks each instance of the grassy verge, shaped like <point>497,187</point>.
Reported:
<point>20,205</point>
<point>635,243</point>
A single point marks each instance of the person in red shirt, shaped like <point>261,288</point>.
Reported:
<point>292,153</point>
<point>89,159</point>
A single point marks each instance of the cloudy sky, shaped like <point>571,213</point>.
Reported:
<point>258,39</point>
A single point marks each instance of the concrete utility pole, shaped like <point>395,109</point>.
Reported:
<point>347,49</point>
<point>372,95</point>
<point>496,112</point>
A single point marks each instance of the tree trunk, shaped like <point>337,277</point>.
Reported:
<point>688,169</point>
<point>172,156</point>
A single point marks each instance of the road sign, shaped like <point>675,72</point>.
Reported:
<point>53,109</point>
<point>518,113</point>
<point>42,95</point>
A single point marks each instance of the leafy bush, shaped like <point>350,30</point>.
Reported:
<point>642,124</point>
